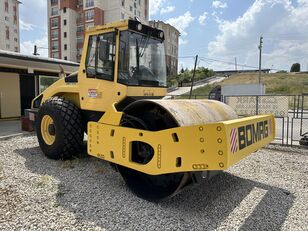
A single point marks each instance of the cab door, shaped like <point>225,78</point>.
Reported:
<point>99,88</point>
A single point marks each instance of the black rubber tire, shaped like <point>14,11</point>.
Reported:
<point>68,128</point>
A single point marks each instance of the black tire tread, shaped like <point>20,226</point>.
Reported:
<point>70,128</point>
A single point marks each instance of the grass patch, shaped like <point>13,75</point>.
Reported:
<point>275,83</point>
<point>44,180</point>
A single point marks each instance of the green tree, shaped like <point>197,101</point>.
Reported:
<point>296,67</point>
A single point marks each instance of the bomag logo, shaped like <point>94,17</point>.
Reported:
<point>247,135</point>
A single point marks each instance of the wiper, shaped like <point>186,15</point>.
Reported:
<point>145,45</point>
<point>137,55</point>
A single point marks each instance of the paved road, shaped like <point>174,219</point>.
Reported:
<point>183,90</point>
<point>10,127</point>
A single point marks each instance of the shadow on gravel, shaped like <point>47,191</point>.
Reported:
<point>94,192</point>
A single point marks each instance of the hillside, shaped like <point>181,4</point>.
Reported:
<point>276,83</point>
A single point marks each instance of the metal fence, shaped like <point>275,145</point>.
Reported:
<point>290,111</point>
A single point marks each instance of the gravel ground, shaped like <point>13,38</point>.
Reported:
<point>266,191</point>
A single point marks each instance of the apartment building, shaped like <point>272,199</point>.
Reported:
<point>68,20</point>
<point>171,45</point>
<point>9,25</point>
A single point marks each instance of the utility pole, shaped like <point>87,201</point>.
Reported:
<point>260,57</point>
<point>235,63</point>
<point>193,77</point>
<point>35,50</point>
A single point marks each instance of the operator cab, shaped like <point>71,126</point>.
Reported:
<point>140,58</point>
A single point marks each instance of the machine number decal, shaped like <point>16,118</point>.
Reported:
<point>92,93</point>
<point>233,140</point>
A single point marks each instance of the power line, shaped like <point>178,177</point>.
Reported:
<point>211,60</point>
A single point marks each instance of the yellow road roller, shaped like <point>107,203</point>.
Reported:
<point>158,146</point>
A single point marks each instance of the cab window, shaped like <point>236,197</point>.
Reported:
<point>101,56</point>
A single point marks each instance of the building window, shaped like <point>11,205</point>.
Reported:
<point>122,16</point>
<point>6,6</point>
<point>89,3</point>
<point>54,34</point>
<point>89,15</point>
<point>79,3</point>
<point>79,39</point>
<point>54,23</point>
<point>80,28</point>
<point>54,45</point>
<point>79,51</point>
<point>139,14</point>
<point>16,49</point>
<point>15,39</point>
<point>6,18</point>
<point>64,10</point>
<point>123,2</point>
<point>54,11</point>
<point>7,32</point>
<point>131,8</point>
<point>46,81</point>
<point>7,46</point>
<point>54,2</point>
<point>64,22</point>
<point>65,34</point>
<point>65,57</point>
<point>139,2</point>
<point>55,55</point>
<point>65,46</point>
<point>80,18</point>
<point>15,31</point>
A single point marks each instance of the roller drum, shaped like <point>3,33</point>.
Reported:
<point>155,115</point>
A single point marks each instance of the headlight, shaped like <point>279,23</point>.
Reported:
<point>161,34</point>
<point>139,26</point>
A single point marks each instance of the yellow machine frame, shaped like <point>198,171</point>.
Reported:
<point>214,146</point>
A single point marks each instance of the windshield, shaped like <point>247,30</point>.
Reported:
<point>141,60</point>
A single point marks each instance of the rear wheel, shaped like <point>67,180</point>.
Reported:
<point>59,128</point>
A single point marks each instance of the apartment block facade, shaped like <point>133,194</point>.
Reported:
<point>9,25</point>
<point>68,20</point>
<point>171,45</point>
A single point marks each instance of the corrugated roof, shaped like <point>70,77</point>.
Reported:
<point>35,58</point>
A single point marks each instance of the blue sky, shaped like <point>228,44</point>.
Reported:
<point>214,29</point>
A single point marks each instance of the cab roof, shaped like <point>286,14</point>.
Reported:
<point>131,25</point>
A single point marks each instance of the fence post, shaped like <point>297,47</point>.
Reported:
<point>257,105</point>
<point>302,116</point>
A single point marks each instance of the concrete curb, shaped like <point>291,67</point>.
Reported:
<point>16,135</point>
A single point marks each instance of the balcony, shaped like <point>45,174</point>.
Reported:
<point>80,21</point>
<point>54,2</point>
